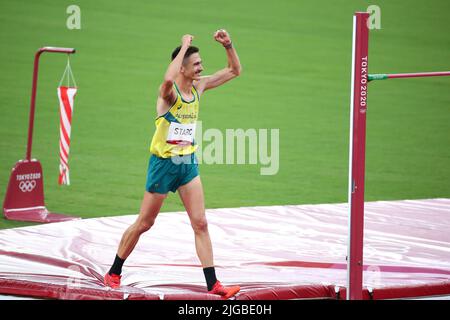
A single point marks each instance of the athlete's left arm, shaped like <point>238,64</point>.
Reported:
<point>231,71</point>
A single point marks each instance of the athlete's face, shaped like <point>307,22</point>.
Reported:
<point>192,66</point>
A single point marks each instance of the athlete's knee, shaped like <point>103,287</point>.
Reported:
<point>143,226</point>
<point>200,225</point>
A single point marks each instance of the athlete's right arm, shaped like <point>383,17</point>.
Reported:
<point>166,91</point>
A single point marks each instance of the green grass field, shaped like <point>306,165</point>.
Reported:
<point>296,58</point>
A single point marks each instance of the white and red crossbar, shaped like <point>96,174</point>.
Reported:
<point>383,76</point>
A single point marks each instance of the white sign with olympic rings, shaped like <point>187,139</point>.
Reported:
<point>27,186</point>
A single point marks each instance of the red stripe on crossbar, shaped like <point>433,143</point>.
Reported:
<point>418,74</point>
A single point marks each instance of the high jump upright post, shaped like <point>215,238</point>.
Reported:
<point>358,108</point>
<point>357,148</point>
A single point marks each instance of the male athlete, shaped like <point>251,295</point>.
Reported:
<point>173,165</point>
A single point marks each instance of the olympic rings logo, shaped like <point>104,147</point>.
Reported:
<point>27,186</point>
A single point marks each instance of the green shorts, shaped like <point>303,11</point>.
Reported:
<point>168,174</point>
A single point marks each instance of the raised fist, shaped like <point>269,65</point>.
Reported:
<point>186,40</point>
<point>222,37</point>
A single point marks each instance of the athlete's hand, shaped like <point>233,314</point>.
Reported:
<point>222,37</point>
<point>186,40</point>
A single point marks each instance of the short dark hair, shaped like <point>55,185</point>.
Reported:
<point>189,51</point>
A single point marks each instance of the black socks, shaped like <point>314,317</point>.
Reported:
<point>210,272</point>
<point>116,268</point>
<point>210,276</point>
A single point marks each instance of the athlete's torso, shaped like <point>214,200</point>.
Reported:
<point>175,130</point>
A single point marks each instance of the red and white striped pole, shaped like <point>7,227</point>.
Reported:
<point>66,97</point>
<point>358,109</point>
